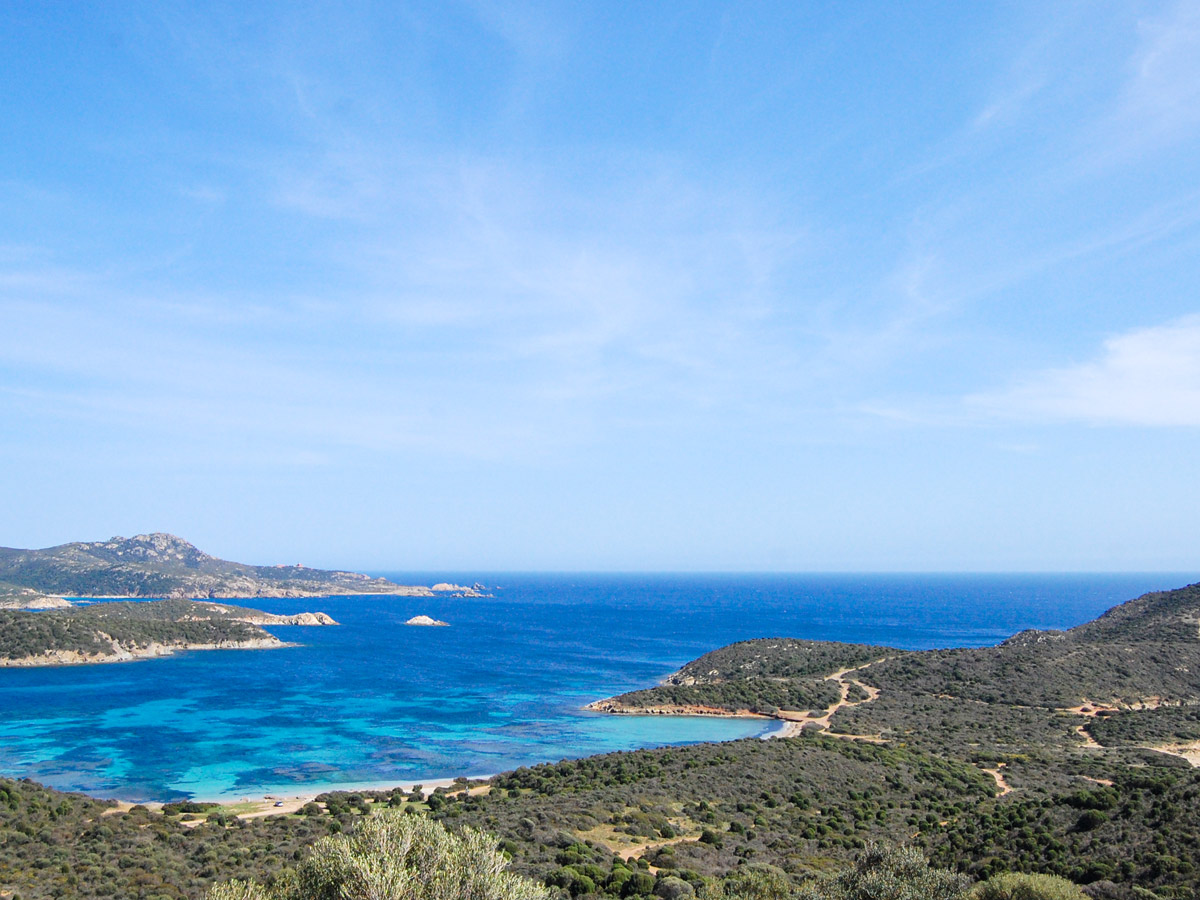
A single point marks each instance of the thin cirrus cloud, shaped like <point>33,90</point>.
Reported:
<point>1162,96</point>
<point>1148,377</point>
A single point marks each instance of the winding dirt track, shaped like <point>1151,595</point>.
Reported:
<point>1004,786</point>
<point>806,719</point>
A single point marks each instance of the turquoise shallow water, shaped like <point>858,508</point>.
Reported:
<point>374,702</point>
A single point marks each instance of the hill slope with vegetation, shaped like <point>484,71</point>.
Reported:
<point>114,632</point>
<point>162,565</point>
<point>1062,754</point>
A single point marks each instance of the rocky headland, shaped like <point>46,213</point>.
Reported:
<point>163,565</point>
<point>123,631</point>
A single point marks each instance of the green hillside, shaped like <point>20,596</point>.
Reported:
<point>1062,753</point>
<point>110,631</point>
<point>162,565</point>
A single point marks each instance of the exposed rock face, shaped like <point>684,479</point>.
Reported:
<point>615,706</point>
<point>45,603</point>
<point>123,653</point>
<point>424,620</point>
<point>25,598</point>
<point>458,590</point>
<point>304,618</point>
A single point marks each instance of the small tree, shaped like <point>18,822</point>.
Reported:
<point>391,856</point>
<point>1015,886</point>
<point>753,881</point>
<point>889,874</point>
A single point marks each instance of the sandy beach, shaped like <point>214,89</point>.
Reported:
<point>285,803</point>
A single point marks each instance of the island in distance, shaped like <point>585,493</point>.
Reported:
<point>163,565</point>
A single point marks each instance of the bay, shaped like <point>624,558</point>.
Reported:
<point>375,702</point>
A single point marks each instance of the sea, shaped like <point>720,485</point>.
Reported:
<point>374,702</point>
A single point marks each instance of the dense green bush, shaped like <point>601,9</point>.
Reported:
<point>1017,886</point>
<point>390,856</point>
<point>889,874</point>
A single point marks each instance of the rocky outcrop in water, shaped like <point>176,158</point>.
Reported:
<point>425,621</point>
<point>304,618</point>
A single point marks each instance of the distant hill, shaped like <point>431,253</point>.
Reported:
<point>162,565</point>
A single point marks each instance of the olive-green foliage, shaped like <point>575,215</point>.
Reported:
<point>238,890</point>
<point>776,658</point>
<point>1147,726</point>
<point>1019,886</point>
<point>1150,836</point>
<point>391,856</point>
<point>93,629</point>
<point>756,696</point>
<point>57,845</point>
<point>762,675</point>
<point>1120,820</point>
<point>889,874</point>
<point>1146,647</point>
<point>754,881</point>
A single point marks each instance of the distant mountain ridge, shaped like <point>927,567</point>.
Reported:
<point>163,565</point>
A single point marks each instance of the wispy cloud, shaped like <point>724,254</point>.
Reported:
<point>1146,377</point>
<point>1161,100</point>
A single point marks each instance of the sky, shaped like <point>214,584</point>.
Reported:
<point>605,286</point>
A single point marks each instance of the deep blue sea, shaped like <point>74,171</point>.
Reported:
<point>376,702</point>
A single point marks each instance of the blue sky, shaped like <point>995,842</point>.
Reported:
<point>477,286</point>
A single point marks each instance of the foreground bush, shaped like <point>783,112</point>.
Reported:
<point>890,874</point>
<point>756,881</point>
<point>394,857</point>
<point>1014,886</point>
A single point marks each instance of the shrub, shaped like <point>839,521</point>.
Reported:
<point>396,856</point>
<point>1016,886</point>
<point>754,881</point>
<point>638,884</point>
<point>890,874</point>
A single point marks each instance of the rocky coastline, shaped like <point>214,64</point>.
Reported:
<point>123,653</point>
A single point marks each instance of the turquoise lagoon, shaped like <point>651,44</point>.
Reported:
<point>375,702</point>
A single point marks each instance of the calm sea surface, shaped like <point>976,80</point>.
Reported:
<point>374,701</point>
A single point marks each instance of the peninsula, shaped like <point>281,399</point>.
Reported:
<point>1140,660</point>
<point>116,632</point>
<point>163,565</point>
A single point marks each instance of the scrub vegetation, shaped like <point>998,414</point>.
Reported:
<point>1052,765</point>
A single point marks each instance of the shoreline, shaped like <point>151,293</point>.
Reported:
<point>291,800</point>
<point>55,658</point>
<point>346,787</point>
<point>285,802</point>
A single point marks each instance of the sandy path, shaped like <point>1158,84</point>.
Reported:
<point>636,850</point>
<point>1004,786</point>
<point>268,807</point>
<point>798,719</point>
<point>1190,752</point>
